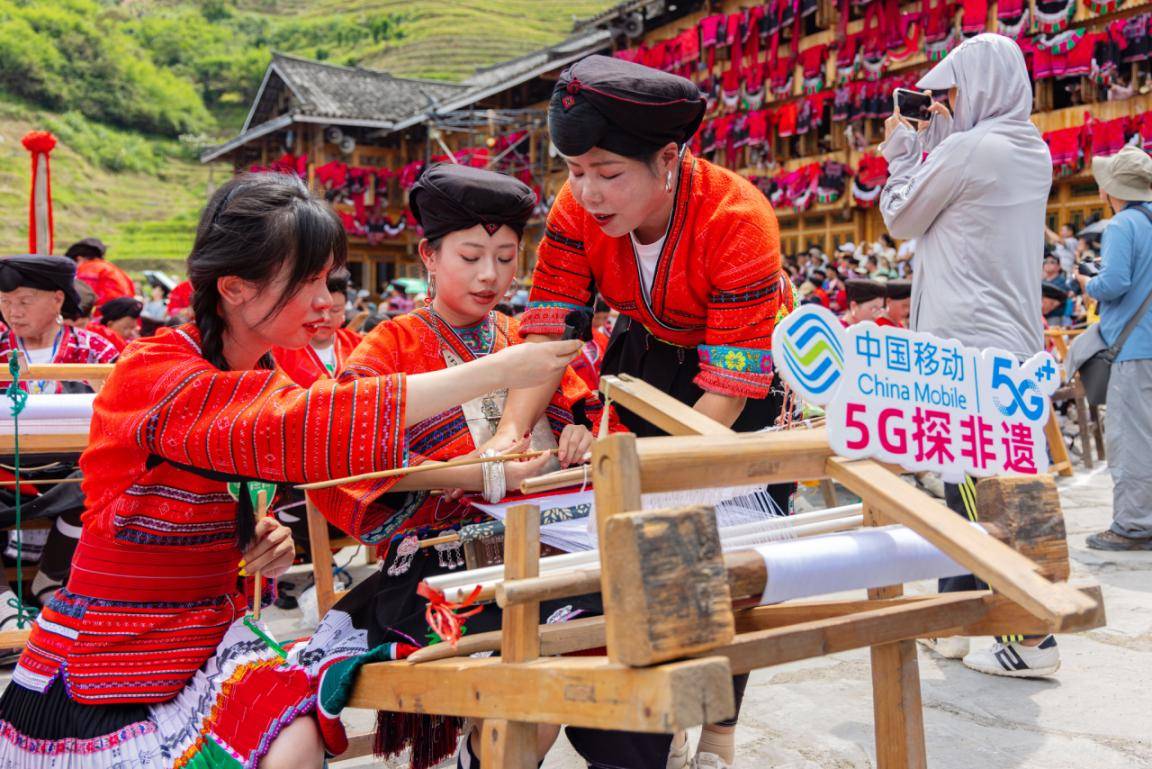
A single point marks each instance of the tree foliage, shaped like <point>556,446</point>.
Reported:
<point>165,68</point>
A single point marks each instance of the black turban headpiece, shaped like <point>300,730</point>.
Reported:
<point>898,289</point>
<point>92,247</point>
<point>120,307</point>
<point>450,197</point>
<point>47,273</point>
<point>863,290</point>
<point>622,107</point>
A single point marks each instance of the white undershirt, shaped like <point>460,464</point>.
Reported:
<point>327,356</point>
<point>39,355</point>
<point>648,256</point>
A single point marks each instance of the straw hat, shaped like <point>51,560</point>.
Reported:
<point>1127,175</point>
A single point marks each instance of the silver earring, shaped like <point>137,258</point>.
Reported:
<point>668,181</point>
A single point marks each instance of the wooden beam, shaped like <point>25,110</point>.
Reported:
<point>69,372</point>
<point>669,582</point>
<point>709,461</point>
<point>1002,617</point>
<point>582,691</point>
<point>321,552</point>
<point>765,648</point>
<point>658,407</point>
<point>897,712</point>
<point>506,744</point>
<point>616,474</point>
<point>994,562</point>
<point>62,443</point>
<point>14,639</point>
<point>1023,512</point>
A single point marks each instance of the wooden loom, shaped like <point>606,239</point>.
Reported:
<point>675,625</point>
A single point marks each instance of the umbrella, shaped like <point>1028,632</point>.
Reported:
<point>1094,229</point>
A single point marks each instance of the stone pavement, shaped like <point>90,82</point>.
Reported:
<point>1096,713</point>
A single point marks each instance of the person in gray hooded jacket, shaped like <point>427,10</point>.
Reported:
<point>975,204</point>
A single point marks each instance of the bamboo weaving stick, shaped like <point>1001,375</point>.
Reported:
<point>426,467</point>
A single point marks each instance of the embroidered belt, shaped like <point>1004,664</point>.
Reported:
<point>113,571</point>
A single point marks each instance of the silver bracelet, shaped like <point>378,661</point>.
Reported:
<point>495,480</point>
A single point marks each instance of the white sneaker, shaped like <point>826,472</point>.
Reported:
<point>950,648</point>
<point>678,757</point>
<point>710,761</point>
<point>1016,660</point>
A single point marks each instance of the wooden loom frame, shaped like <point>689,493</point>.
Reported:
<point>668,665</point>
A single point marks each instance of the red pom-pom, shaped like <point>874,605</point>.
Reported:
<point>39,141</point>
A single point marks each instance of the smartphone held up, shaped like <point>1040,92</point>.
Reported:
<point>913,105</point>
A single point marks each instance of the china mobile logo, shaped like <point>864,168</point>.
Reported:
<point>917,400</point>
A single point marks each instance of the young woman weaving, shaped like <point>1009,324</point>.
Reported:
<point>473,221</point>
<point>145,658</point>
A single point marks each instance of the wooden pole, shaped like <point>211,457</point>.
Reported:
<point>616,470</point>
<point>896,706</point>
<point>508,744</point>
<point>426,467</point>
<point>258,578</point>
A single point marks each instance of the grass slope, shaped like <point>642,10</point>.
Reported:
<point>448,39</point>
<point>146,218</point>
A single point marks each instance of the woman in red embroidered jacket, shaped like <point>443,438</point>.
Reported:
<point>686,251</point>
<point>143,659</point>
<point>473,221</point>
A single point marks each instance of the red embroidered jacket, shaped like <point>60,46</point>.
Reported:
<point>75,346</point>
<point>153,586</point>
<point>106,279</point>
<point>412,344</point>
<point>304,366</point>
<point>718,284</point>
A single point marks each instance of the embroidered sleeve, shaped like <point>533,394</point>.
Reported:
<point>252,424</point>
<point>562,281</point>
<point>743,304</point>
<point>369,510</point>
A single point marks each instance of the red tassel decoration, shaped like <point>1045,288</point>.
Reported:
<point>432,738</point>
<point>40,226</point>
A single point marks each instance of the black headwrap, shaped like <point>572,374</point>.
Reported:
<point>91,247</point>
<point>47,273</point>
<point>898,289</point>
<point>449,197</point>
<point>863,290</point>
<point>120,307</point>
<point>622,107</point>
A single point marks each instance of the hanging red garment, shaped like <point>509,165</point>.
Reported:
<point>786,116</point>
<point>872,169</point>
<point>812,63</point>
<point>332,175</point>
<point>975,18</point>
<point>1064,146</point>
<point>1108,136</point>
<point>780,73</point>
<point>758,126</point>
<point>937,19</point>
<point>1143,125</point>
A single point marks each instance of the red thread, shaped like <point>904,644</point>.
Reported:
<point>445,617</point>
